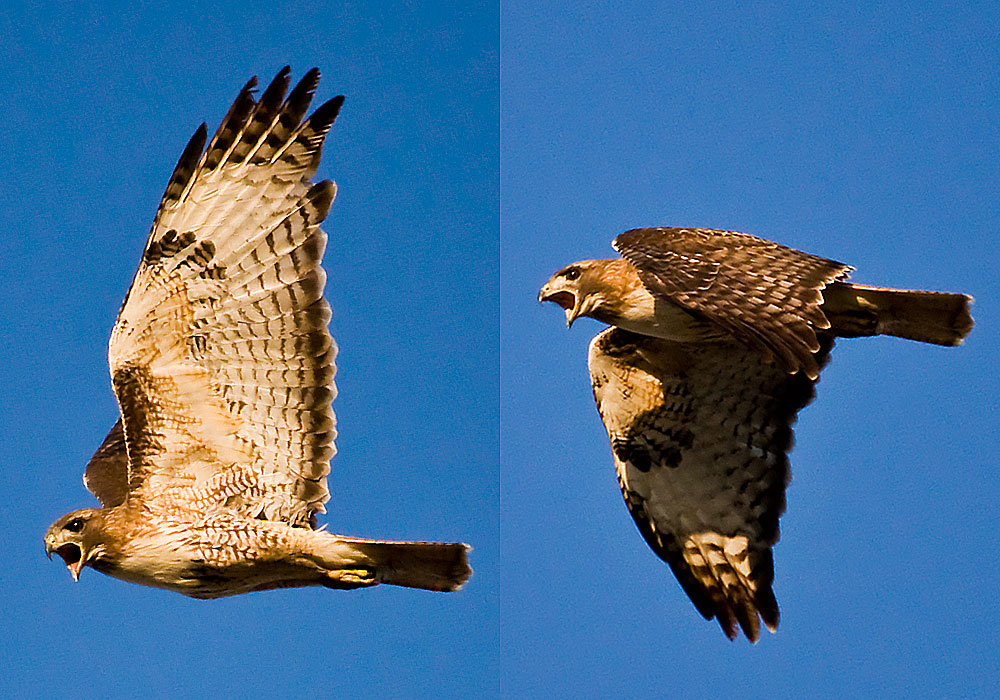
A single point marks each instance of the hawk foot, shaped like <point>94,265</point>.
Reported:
<point>351,578</point>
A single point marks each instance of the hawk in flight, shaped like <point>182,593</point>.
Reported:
<point>223,367</point>
<point>716,341</point>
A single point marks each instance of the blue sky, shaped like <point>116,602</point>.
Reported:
<point>98,106</point>
<point>866,133</point>
<point>862,132</point>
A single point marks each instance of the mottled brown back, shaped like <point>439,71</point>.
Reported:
<point>766,295</point>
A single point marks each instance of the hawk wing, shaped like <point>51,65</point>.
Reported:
<point>766,295</point>
<point>221,359</point>
<point>700,435</point>
<point>107,471</point>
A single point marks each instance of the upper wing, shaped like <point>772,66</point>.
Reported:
<point>221,358</point>
<point>106,475</point>
<point>700,435</point>
<point>767,295</point>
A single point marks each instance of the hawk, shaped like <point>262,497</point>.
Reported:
<point>716,341</point>
<point>223,368</point>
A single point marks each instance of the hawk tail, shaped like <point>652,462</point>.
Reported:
<point>857,310</point>
<point>432,566</point>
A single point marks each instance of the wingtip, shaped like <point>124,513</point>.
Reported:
<point>326,114</point>
<point>278,86</point>
<point>309,82</point>
<point>249,86</point>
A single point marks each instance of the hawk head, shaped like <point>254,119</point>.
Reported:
<point>77,537</point>
<point>595,288</point>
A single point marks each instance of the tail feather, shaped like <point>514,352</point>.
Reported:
<point>856,310</point>
<point>432,566</point>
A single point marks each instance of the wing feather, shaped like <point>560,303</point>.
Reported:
<point>221,358</point>
<point>699,436</point>
<point>106,475</point>
<point>766,295</point>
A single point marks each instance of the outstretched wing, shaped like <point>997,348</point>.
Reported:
<point>766,295</point>
<point>221,358</point>
<point>700,435</point>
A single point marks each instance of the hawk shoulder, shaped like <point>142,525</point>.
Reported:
<point>766,295</point>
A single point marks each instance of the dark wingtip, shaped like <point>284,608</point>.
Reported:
<point>312,75</point>
<point>249,87</point>
<point>299,98</point>
<point>309,82</point>
<point>186,164</point>
<point>276,90</point>
<point>196,144</point>
<point>201,133</point>
<point>324,116</point>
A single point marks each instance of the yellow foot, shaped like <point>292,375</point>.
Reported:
<point>351,578</point>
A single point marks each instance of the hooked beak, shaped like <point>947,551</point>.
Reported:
<point>71,554</point>
<point>567,300</point>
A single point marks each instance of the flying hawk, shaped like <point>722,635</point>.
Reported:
<point>716,341</point>
<point>223,368</point>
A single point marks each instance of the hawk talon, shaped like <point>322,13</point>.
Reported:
<point>357,577</point>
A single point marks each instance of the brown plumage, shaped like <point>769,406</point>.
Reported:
<point>718,338</point>
<point>681,284</point>
<point>223,368</point>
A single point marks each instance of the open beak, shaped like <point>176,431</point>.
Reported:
<point>70,554</point>
<point>567,300</point>
<point>572,313</point>
<point>74,570</point>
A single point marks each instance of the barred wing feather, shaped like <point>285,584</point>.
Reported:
<point>699,436</point>
<point>221,358</point>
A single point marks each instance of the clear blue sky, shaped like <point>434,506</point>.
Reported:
<point>98,105</point>
<point>865,132</point>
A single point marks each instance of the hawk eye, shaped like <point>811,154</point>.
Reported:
<point>572,273</point>
<point>74,525</point>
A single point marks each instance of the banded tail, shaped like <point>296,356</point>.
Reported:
<point>432,566</point>
<point>857,310</point>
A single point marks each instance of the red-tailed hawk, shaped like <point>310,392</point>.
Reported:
<point>717,340</point>
<point>223,367</point>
